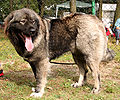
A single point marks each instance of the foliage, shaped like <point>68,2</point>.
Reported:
<point>6,6</point>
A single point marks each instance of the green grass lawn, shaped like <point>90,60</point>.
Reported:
<point>18,79</point>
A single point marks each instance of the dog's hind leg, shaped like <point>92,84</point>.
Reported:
<point>79,60</point>
<point>94,67</point>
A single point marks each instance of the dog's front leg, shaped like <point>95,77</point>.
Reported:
<point>42,68</point>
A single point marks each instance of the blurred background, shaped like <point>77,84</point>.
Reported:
<point>105,9</point>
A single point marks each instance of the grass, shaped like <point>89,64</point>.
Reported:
<point>18,79</point>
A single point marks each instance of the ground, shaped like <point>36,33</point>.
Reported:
<point>18,78</point>
<point>17,82</point>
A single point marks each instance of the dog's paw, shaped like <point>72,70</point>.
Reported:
<point>36,95</point>
<point>95,91</point>
<point>76,85</point>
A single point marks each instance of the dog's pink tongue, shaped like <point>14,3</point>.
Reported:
<point>28,44</point>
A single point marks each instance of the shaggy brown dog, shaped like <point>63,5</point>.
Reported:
<point>38,42</point>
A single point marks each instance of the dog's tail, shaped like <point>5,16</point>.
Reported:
<point>110,54</point>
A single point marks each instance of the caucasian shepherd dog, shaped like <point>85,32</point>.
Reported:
<point>38,41</point>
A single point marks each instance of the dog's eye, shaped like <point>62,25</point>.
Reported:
<point>23,21</point>
<point>33,21</point>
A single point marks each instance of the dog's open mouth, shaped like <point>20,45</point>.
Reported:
<point>28,42</point>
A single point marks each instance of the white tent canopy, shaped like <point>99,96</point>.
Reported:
<point>67,5</point>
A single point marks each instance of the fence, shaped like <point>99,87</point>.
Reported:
<point>55,9</point>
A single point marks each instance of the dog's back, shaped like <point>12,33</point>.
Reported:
<point>81,31</point>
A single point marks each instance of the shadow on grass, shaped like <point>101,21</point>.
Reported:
<point>66,71</point>
<point>63,70</point>
<point>23,77</point>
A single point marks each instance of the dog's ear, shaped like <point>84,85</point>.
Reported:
<point>7,21</point>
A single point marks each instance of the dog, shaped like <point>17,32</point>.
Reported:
<point>38,41</point>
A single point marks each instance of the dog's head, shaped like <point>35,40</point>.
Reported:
<point>22,26</point>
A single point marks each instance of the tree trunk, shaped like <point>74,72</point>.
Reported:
<point>73,6</point>
<point>117,12</point>
<point>11,5</point>
<point>100,9</point>
<point>28,4</point>
<point>41,7</point>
